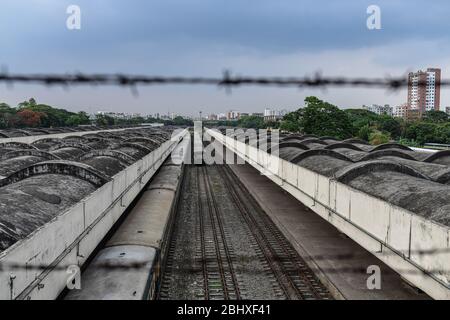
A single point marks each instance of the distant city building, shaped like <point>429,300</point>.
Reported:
<point>401,111</point>
<point>379,109</point>
<point>273,115</point>
<point>258,114</point>
<point>222,116</point>
<point>212,116</point>
<point>119,115</point>
<point>424,91</point>
<point>233,115</point>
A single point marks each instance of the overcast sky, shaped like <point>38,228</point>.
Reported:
<point>205,37</point>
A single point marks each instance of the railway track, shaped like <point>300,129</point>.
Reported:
<point>215,255</point>
<point>296,279</point>
<point>217,216</point>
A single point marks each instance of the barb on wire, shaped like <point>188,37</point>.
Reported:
<point>9,266</point>
<point>227,80</point>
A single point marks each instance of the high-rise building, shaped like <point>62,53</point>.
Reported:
<point>424,91</point>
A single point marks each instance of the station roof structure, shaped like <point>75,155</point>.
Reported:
<point>40,180</point>
<point>414,180</point>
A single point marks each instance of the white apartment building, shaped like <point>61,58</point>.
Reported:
<point>233,115</point>
<point>379,109</point>
<point>400,111</point>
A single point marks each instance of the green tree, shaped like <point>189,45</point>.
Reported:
<point>442,133</point>
<point>378,137</point>
<point>291,121</point>
<point>104,120</point>
<point>360,118</point>
<point>364,132</point>
<point>81,118</point>
<point>421,132</point>
<point>272,124</point>
<point>54,117</point>
<point>324,119</point>
<point>290,126</point>
<point>26,104</point>
<point>180,121</point>
<point>7,115</point>
<point>436,116</point>
<point>389,125</point>
<point>251,122</point>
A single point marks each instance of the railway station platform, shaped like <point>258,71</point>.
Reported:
<point>339,262</point>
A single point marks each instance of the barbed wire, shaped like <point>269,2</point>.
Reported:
<point>10,266</point>
<point>227,80</point>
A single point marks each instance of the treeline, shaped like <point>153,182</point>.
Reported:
<point>31,114</point>
<point>226,123</point>
<point>105,120</point>
<point>256,122</point>
<point>324,119</point>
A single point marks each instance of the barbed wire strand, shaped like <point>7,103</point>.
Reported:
<point>227,80</point>
<point>9,266</point>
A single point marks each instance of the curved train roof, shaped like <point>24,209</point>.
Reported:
<point>38,181</point>
<point>416,181</point>
<point>14,133</point>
